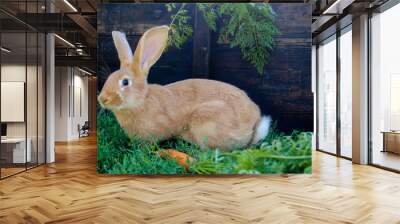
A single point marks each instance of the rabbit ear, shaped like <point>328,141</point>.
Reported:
<point>150,48</point>
<point>123,48</point>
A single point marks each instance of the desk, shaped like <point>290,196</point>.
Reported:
<point>391,141</point>
<point>15,148</point>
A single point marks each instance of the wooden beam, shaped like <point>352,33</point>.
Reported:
<point>201,46</point>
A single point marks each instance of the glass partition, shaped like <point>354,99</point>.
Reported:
<point>346,93</point>
<point>327,95</point>
<point>385,89</point>
<point>22,78</point>
<point>13,95</point>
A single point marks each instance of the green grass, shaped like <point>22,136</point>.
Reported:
<point>277,153</point>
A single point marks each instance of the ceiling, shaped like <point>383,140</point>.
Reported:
<point>19,54</point>
<point>75,21</point>
<point>328,15</point>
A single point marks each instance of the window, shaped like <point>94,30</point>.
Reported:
<point>327,95</point>
<point>385,88</point>
<point>346,93</point>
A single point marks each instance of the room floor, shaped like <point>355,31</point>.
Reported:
<point>10,171</point>
<point>70,191</point>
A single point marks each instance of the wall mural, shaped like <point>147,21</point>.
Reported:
<point>204,88</point>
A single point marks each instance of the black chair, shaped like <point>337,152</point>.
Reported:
<point>84,130</point>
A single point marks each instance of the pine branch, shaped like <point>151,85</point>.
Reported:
<point>249,26</point>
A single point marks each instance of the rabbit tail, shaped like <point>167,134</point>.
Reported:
<point>261,129</point>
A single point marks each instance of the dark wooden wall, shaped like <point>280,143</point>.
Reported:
<point>134,20</point>
<point>284,91</point>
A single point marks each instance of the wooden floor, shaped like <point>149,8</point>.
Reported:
<point>5,172</point>
<point>70,191</point>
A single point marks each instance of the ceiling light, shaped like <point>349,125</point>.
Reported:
<point>65,41</point>
<point>70,5</point>
<point>326,11</point>
<point>338,6</point>
<point>80,51</point>
<point>84,71</point>
<point>5,50</point>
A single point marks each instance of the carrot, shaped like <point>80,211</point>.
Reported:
<point>180,157</point>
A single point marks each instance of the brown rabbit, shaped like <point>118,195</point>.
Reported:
<point>210,113</point>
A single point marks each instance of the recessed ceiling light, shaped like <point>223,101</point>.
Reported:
<point>84,71</point>
<point>65,41</point>
<point>5,50</point>
<point>70,5</point>
<point>337,7</point>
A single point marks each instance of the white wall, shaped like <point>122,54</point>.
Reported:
<point>61,103</point>
<point>79,117</point>
<point>71,94</point>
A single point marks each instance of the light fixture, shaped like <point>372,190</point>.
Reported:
<point>84,71</point>
<point>70,5</point>
<point>65,41</point>
<point>5,50</point>
<point>329,9</point>
<point>80,51</point>
<point>337,7</point>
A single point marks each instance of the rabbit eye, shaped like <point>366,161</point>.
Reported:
<point>125,82</point>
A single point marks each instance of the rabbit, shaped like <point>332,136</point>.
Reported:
<point>210,113</point>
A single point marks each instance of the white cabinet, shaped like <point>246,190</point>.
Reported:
<point>19,155</point>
